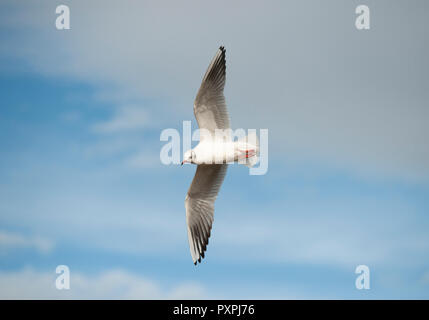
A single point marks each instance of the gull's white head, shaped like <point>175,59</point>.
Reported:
<point>188,157</point>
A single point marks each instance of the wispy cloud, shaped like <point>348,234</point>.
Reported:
<point>110,146</point>
<point>143,160</point>
<point>14,241</point>
<point>110,284</point>
<point>125,118</point>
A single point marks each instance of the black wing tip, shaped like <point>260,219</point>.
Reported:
<point>202,256</point>
<point>202,253</point>
<point>223,52</point>
<point>223,58</point>
<point>198,261</point>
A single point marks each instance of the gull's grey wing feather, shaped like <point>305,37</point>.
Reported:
<point>210,106</point>
<point>199,204</point>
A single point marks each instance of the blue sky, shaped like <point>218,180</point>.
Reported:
<point>82,184</point>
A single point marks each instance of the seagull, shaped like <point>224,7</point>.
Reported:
<point>212,155</point>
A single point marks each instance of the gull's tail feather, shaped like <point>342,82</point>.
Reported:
<point>248,150</point>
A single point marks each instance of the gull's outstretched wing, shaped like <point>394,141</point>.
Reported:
<point>209,106</point>
<point>199,204</point>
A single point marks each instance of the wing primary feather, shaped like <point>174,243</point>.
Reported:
<point>199,205</point>
<point>209,106</point>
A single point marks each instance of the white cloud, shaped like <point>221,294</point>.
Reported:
<point>111,284</point>
<point>125,118</point>
<point>13,241</point>
<point>143,160</point>
<point>110,146</point>
<point>70,117</point>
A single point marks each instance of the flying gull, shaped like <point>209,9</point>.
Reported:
<point>212,155</point>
